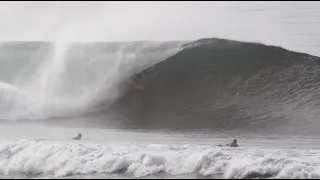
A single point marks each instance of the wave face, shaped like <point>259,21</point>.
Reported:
<point>222,84</point>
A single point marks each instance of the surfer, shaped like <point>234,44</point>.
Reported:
<point>233,144</point>
<point>134,80</point>
<point>78,137</point>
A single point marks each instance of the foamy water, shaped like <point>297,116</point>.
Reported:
<point>49,152</point>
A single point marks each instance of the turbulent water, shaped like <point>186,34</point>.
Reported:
<point>41,80</point>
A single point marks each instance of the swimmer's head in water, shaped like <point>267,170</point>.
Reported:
<point>234,141</point>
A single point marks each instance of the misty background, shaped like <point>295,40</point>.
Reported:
<point>292,25</point>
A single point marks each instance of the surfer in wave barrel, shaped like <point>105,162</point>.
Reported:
<point>134,80</point>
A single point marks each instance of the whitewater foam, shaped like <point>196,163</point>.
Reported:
<point>59,159</point>
<point>72,78</point>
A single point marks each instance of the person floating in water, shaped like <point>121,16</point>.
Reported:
<point>78,137</point>
<point>233,144</point>
<point>134,80</point>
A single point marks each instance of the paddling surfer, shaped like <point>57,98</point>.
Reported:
<point>78,137</point>
<point>233,144</point>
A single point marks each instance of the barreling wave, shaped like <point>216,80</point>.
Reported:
<point>222,84</point>
<point>208,83</point>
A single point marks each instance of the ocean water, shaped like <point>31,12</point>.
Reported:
<point>237,70</point>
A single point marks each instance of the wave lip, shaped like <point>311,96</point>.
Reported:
<point>53,159</point>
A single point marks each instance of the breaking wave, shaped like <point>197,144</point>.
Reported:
<point>208,83</point>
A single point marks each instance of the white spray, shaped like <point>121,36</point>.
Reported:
<point>47,94</point>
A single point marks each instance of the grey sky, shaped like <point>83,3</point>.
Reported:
<point>108,20</point>
<point>278,23</point>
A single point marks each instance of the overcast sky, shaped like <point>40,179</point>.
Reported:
<point>282,23</point>
<point>124,20</point>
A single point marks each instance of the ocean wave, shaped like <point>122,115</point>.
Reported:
<point>223,84</point>
<point>208,83</point>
